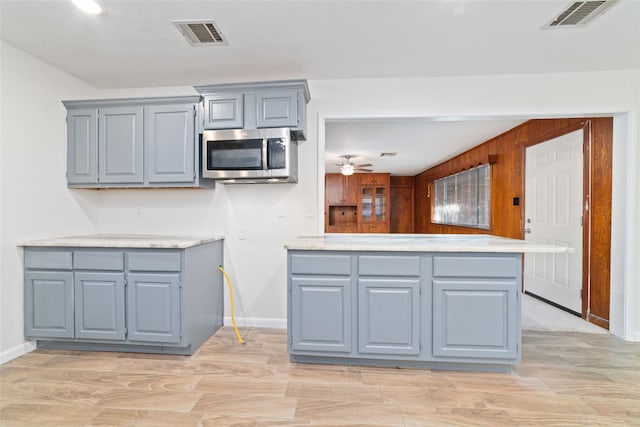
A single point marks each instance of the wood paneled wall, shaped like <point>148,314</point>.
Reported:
<point>402,195</point>
<point>507,183</point>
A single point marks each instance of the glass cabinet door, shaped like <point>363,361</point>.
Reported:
<point>367,204</point>
<point>380,204</point>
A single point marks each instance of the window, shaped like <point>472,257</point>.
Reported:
<point>463,198</point>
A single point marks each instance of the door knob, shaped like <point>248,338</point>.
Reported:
<point>527,230</point>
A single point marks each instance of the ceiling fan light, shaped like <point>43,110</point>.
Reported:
<point>347,170</point>
<point>88,6</point>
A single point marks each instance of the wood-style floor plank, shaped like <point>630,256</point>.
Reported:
<point>565,379</point>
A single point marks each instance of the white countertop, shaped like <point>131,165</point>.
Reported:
<point>420,243</point>
<point>123,241</point>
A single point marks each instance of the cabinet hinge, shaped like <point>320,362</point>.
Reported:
<point>290,339</point>
<point>420,290</point>
<point>420,345</point>
<point>194,111</point>
<point>517,348</point>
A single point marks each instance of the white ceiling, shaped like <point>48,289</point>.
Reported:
<point>420,143</point>
<point>134,44</point>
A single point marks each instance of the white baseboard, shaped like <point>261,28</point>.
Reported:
<point>17,351</point>
<point>255,322</point>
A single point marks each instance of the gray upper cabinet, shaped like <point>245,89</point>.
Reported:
<point>82,146</point>
<point>256,105</point>
<point>224,111</point>
<point>169,143</point>
<point>277,109</point>
<point>120,145</point>
<point>143,142</point>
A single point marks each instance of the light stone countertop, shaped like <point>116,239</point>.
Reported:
<point>421,243</point>
<point>122,241</point>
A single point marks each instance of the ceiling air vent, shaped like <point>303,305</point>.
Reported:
<point>580,13</point>
<point>200,33</point>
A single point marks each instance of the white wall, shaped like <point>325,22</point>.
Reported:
<point>39,204</point>
<point>34,198</point>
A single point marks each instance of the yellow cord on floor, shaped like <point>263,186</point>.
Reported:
<point>233,317</point>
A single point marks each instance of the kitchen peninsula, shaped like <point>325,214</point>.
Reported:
<point>109,292</point>
<point>425,301</point>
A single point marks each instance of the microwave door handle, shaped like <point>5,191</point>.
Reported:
<point>265,164</point>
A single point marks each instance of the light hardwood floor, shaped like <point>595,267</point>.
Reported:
<point>565,378</point>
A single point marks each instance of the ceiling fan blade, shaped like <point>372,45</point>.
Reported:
<point>364,170</point>
<point>364,165</point>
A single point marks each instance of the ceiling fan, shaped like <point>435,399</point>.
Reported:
<point>348,167</point>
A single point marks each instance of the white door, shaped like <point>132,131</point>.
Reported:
<point>553,214</point>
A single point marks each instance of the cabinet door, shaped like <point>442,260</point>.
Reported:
<point>277,108</point>
<point>99,304</point>
<point>224,111</point>
<point>169,143</point>
<point>120,145</point>
<point>321,314</point>
<point>82,146</point>
<point>389,316</point>
<point>49,304</point>
<point>153,307</point>
<point>475,318</point>
<point>333,188</point>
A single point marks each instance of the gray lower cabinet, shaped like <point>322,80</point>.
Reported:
<point>321,316</point>
<point>475,319</point>
<point>99,305</point>
<point>389,316</point>
<point>430,310</point>
<point>143,142</point>
<point>49,304</point>
<point>154,307</point>
<point>150,300</point>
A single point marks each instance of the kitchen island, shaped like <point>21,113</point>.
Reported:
<point>425,301</point>
<point>112,292</point>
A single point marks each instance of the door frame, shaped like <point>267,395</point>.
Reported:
<point>587,191</point>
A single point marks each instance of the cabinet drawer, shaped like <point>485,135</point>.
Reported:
<point>373,265</point>
<point>154,261</point>
<point>98,260</point>
<point>482,266</point>
<point>56,260</point>
<point>321,264</point>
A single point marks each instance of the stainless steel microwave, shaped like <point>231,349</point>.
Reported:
<point>250,156</point>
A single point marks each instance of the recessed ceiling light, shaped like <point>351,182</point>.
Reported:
<point>88,6</point>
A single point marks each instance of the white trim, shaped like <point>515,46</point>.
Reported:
<point>256,322</point>
<point>320,143</point>
<point>17,351</point>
